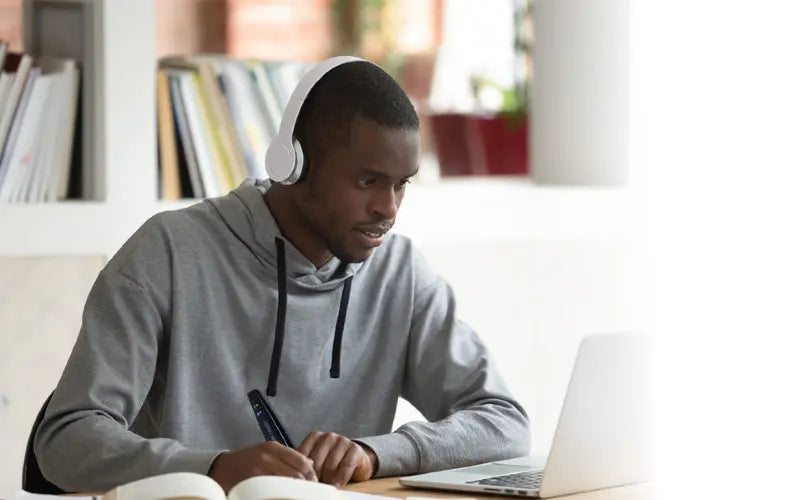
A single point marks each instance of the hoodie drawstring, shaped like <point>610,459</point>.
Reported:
<point>337,337</point>
<point>280,323</point>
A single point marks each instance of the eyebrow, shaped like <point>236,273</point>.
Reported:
<point>383,175</point>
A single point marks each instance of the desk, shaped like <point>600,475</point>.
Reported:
<point>391,488</point>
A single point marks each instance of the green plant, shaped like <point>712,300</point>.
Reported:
<point>511,100</point>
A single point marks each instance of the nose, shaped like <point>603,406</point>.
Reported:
<point>385,203</point>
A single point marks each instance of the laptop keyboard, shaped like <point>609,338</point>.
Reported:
<point>528,479</point>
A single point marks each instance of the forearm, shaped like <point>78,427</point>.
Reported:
<point>487,430</point>
<point>85,451</point>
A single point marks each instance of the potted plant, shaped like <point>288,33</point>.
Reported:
<point>493,138</point>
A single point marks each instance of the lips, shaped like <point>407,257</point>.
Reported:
<point>375,230</point>
<point>371,236</point>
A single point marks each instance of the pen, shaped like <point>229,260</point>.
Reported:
<point>267,421</point>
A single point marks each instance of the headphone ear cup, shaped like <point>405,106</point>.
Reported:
<point>280,161</point>
<point>300,162</point>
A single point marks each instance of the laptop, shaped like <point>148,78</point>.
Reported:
<point>604,434</point>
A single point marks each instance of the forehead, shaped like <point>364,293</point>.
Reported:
<point>394,151</point>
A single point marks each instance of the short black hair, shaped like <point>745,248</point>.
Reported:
<point>353,89</point>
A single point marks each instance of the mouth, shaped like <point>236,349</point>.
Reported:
<point>371,236</point>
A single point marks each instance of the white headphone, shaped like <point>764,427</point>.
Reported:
<point>285,157</point>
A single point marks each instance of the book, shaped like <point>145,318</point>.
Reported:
<point>36,159</point>
<point>191,181</point>
<point>229,162</point>
<point>20,65</point>
<point>203,147</point>
<point>3,50</point>
<point>213,138</point>
<point>268,102</point>
<point>250,123</point>
<point>62,104</point>
<point>190,485</point>
<point>21,140</point>
<point>6,80</point>
<point>167,148</point>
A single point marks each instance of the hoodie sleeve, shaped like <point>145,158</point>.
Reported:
<point>84,442</point>
<point>454,382</point>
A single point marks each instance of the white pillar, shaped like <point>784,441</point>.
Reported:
<point>579,119</point>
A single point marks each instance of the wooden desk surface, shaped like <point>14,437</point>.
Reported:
<point>390,487</point>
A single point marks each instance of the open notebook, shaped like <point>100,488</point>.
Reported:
<point>192,486</point>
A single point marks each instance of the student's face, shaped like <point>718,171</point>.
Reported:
<point>352,195</point>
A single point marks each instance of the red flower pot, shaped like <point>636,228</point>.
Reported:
<point>479,145</point>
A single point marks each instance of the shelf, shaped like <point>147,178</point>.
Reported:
<point>67,228</point>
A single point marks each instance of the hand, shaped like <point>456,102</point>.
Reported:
<point>337,460</point>
<point>270,458</point>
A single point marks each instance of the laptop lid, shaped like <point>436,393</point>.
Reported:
<point>605,433</point>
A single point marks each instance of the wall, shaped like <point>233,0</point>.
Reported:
<point>41,301</point>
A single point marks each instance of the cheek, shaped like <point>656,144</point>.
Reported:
<point>342,213</point>
<point>350,210</point>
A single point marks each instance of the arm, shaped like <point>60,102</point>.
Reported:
<point>84,442</point>
<point>453,381</point>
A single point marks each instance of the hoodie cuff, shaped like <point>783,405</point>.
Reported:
<point>397,454</point>
<point>198,461</point>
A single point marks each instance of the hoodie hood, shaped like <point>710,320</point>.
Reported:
<point>247,215</point>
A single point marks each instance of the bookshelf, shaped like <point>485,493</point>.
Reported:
<point>439,210</point>
<point>124,165</point>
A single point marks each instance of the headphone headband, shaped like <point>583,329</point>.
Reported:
<point>302,89</point>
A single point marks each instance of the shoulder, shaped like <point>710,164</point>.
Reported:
<point>153,244</point>
<point>178,228</point>
<point>399,256</point>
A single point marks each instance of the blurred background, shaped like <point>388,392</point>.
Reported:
<point>523,202</point>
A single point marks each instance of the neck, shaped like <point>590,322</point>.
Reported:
<point>279,201</point>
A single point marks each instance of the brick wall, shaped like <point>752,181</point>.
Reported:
<point>264,29</point>
<point>11,23</point>
<point>280,29</point>
<point>190,26</point>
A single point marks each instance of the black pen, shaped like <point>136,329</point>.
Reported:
<point>267,421</point>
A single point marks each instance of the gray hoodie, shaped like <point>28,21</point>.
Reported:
<point>181,324</point>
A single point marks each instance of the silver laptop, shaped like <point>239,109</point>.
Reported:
<point>604,435</point>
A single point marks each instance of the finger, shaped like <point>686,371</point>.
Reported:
<point>299,462</point>
<point>331,466</point>
<point>320,452</point>
<point>286,458</point>
<point>272,465</point>
<point>347,465</point>
<point>308,443</point>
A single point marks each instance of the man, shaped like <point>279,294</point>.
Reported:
<point>298,288</point>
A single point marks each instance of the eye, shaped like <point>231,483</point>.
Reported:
<point>402,184</point>
<point>366,182</point>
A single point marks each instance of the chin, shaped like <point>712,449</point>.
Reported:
<point>357,257</point>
